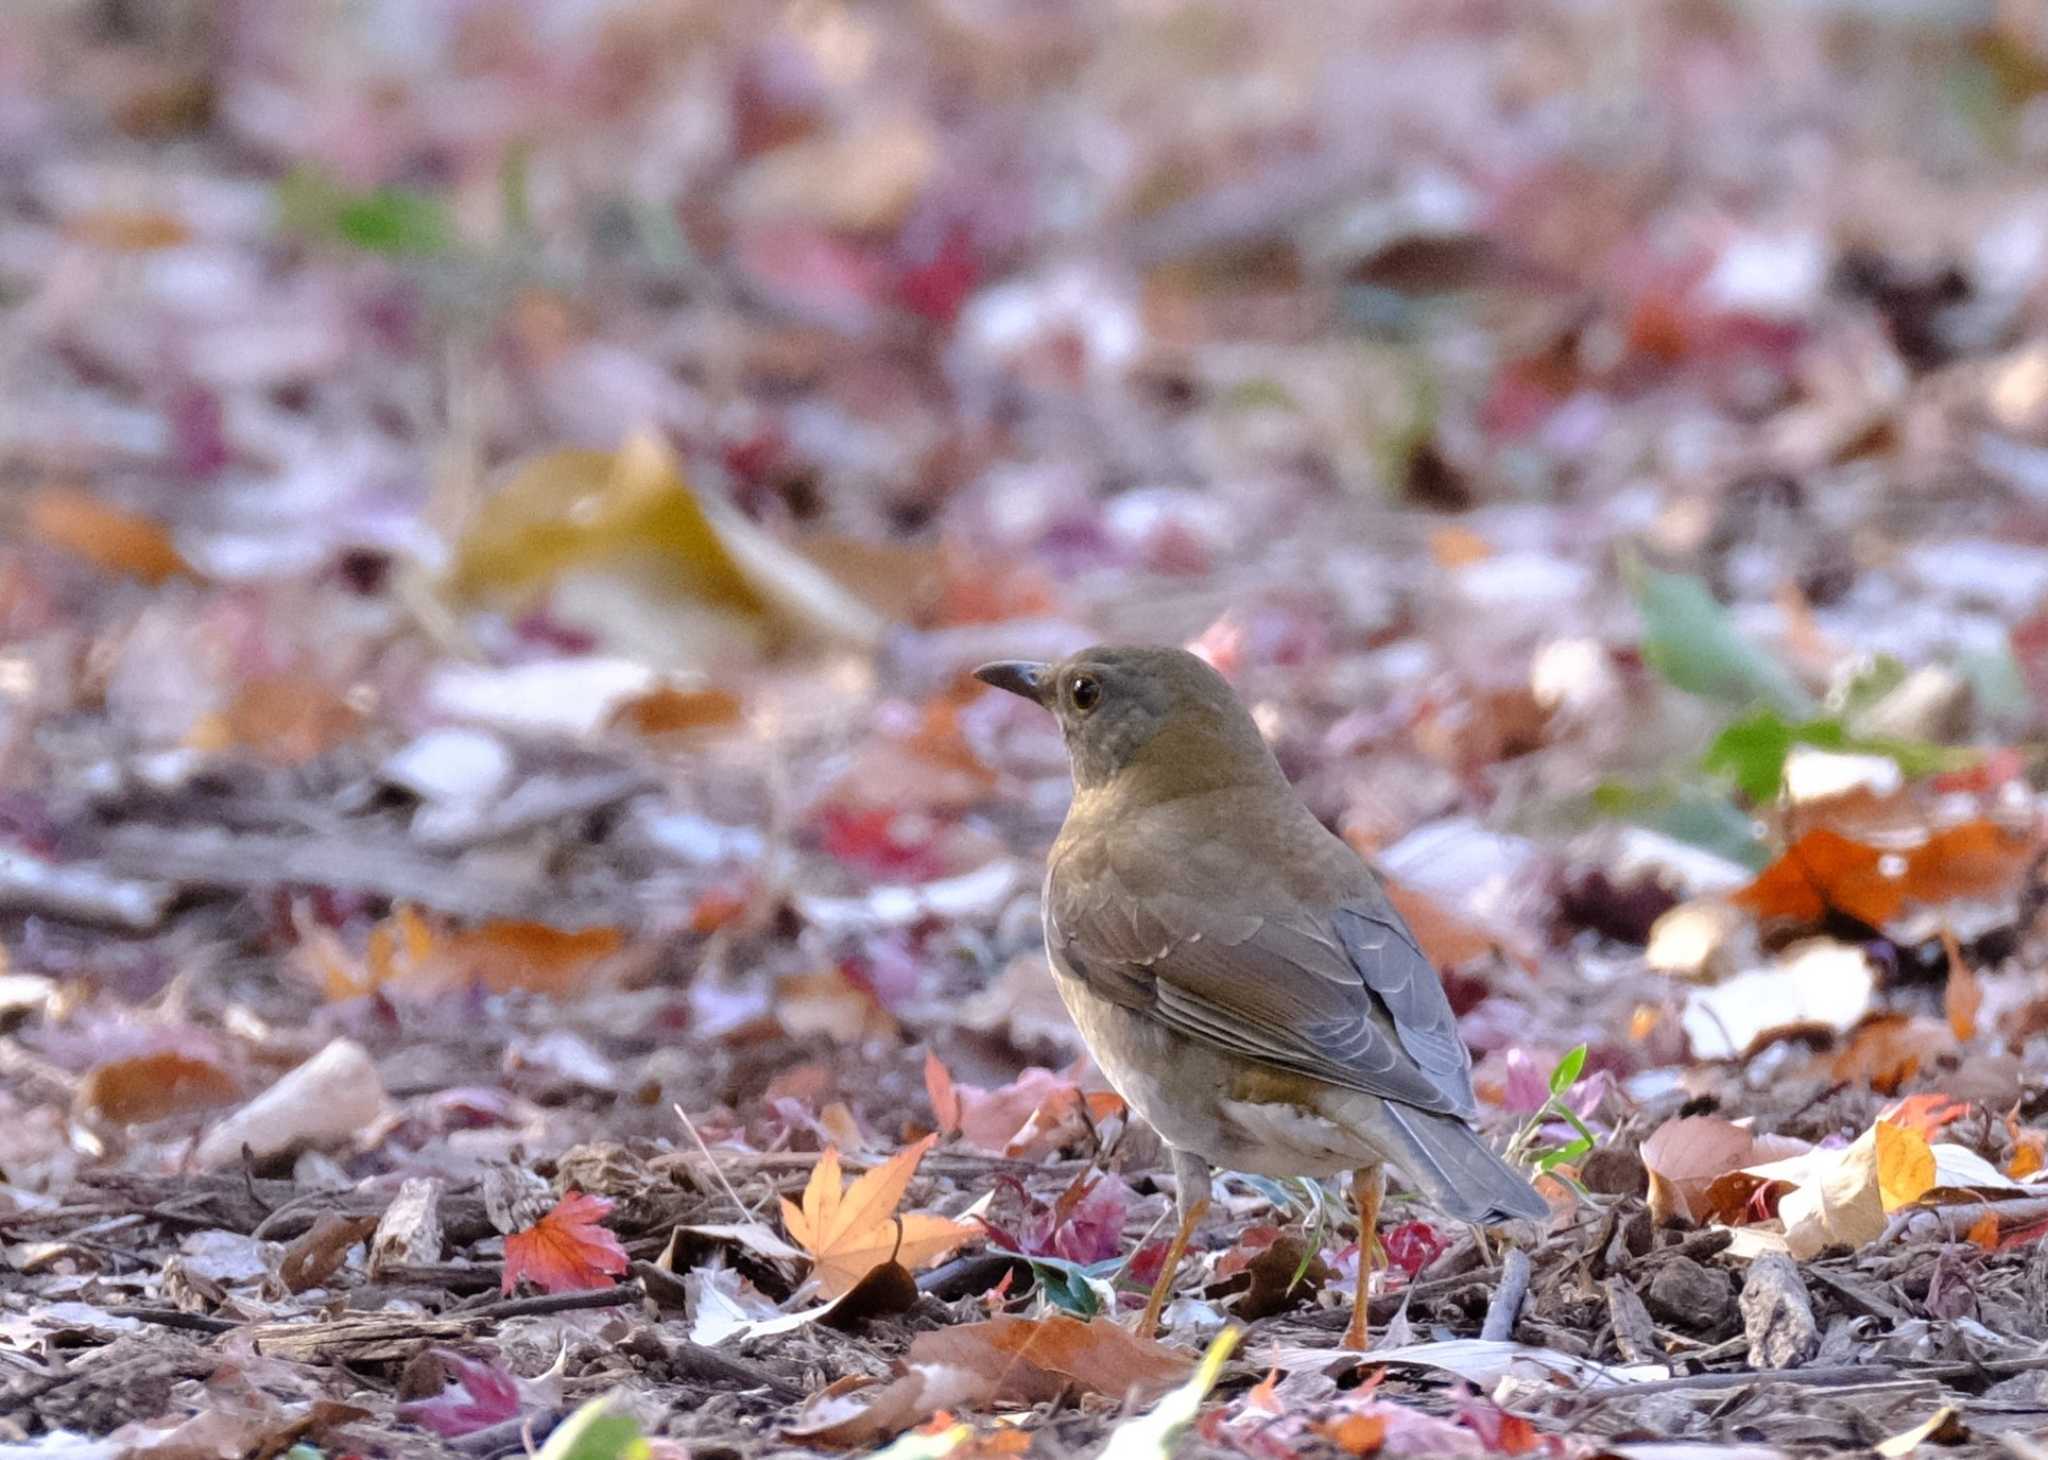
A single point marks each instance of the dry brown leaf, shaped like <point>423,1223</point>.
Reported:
<point>109,537</point>
<point>407,954</point>
<point>1964,996</point>
<point>671,711</point>
<point>155,1086</point>
<point>1685,1156</point>
<point>1889,1049</point>
<point>318,1253</point>
<point>1824,871</point>
<point>287,718</point>
<point>133,230</point>
<point>851,1229</point>
<point>1983,1233</point>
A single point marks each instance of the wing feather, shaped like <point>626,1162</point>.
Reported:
<point>1345,997</point>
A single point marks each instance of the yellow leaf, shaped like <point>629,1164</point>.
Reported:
<point>563,508</point>
<point>1905,1165</point>
<point>632,513</point>
<point>851,1230</point>
<point>873,1198</point>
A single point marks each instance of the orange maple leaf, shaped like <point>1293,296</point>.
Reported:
<point>851,1230</point>
<point>569,1250</point>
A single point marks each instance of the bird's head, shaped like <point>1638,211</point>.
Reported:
<point>1155,723</point>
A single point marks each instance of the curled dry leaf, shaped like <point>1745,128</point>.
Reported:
<point>850,1229</point>
<point>1687,1158</point>
<point>1003,1361</point>
<point>318,1254</point>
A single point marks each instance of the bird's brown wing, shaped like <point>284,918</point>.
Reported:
<point>1342,995</point>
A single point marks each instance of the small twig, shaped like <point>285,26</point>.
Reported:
<point>700,1362</point>
<point>1821,1378</point>
<point>506,1434</point>
<point>716,1170</point>
<point>549,1303</point>
<point>177,1318</point>
<point>1506,1306</point>
<point>1954,1219</point>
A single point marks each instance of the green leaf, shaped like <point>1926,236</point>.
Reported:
<point>1689,638</point>
<point>1562,1154</point>
<point>596,1432</point>
<point>1566,1074</point>
<point>392,221</point>
<point>1691,814</point>
<point>1753,750</point>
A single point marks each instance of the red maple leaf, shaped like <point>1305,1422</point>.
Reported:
<point>568,1250</point>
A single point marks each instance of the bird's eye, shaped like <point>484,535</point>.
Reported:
<point>1085,692</point>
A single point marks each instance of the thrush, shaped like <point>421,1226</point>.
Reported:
<point>1236,970</point>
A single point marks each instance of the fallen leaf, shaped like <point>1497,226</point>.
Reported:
<point>1448,938</point>
<point>568,1250</point>
<point>671,711</point>
<point>155,1086</point>
<point>1844,1196</point>
<point>2029,1147</point>
<point>1155,1435</point>
<point>567,510</point>
<point>286,718</point>
<point>1964,995</point>
<point>318,1253</point>
<point>941,1091</point>
<point>1983,1233</point>
<point>1684,1157</point>
<point>1002,1361</point>
<point>1927,1113</point>
<point>334,1097</point>
<point>850,1231</point>
<point>410,955</point>
<point>109,537</point>
<point>1824,871</point>
<point>1886,1051</point>
<point>1905,1165</point>
<point>1944,1427</point>
<point>135,230</point>
<point>475,1395</point>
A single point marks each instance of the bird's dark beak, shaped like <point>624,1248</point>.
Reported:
<point>1019,677</point>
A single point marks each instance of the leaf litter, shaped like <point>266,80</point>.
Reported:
<point>504,509</point>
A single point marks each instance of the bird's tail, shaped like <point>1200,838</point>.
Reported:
<point>1456,1170</point>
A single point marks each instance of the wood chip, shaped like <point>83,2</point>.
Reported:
<point>1634,1333</point>
<point>410,1230</point>
<point>1777,1314</point>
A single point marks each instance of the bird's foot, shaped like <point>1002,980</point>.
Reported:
<point>1148,1321</point>
<point>1368,1189</point>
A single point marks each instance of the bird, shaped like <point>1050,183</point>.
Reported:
<point>1235,968</point>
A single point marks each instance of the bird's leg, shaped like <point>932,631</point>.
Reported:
<point>1368,1189</point>
<point>1191,1197</point>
